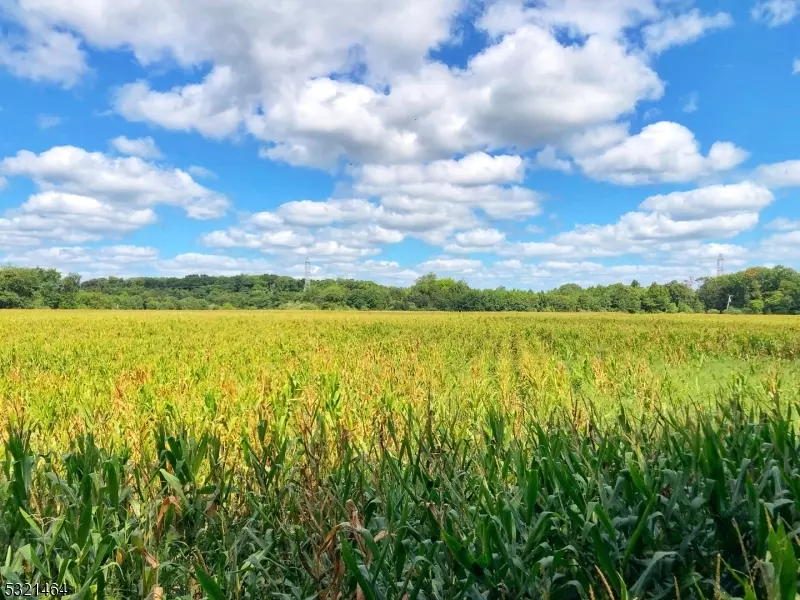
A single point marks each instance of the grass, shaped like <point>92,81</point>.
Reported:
<point>327,455</point>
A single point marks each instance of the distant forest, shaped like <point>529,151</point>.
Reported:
<point>757,290</point>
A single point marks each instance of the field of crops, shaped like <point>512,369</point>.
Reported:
<point>399,455</point>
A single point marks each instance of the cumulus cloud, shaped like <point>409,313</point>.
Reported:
<point>387,271</point>
<point>476,181</point>
<point>428,201</point>
<point>441,111</point>
<point>711,201</point>
<point>775,13</point>
<point>144,147</point>
<point>70,218</point>
<point>477,168</point>
<point>43,54</point>
<point>206,107</point>
<point>270,73</point>
<point>781,246</point>
<point>201,172</point>
<point>476,240</point>
<point>211,264</point>
<point>783,224</point>
<point>682,29</point>
<point>480,237</point>
<point>547,158</point>
<point>47,121</point>
<point>105,261</point>
<point>634,228</point>
<point>266,241</point>
<point>778,175</point>
<point>664,224</point>
<point>125,181</point>
<point>433,152</point>
<point>318,214</point>
<point>661,152</point>
<point>581,17</point>
<point>451,265</point>
<point>705,255</point>
<point>691,103</point>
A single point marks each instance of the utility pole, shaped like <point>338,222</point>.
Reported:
<point>307,284</point>
<point>720,265</point>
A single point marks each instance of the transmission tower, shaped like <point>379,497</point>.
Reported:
<point>720,265</point>
<point>308,275</point>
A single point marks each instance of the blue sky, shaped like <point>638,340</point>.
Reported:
<point>505,142</point>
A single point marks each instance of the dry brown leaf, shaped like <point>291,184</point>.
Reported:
<point>381,535</point>
<point>150,559</point>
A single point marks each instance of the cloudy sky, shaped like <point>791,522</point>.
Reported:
<point>523,143</point>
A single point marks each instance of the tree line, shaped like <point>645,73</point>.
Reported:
<point>758,290</point>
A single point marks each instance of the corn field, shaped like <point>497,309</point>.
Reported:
<point>300,455</point>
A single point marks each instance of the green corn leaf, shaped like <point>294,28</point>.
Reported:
<point>210,587</point>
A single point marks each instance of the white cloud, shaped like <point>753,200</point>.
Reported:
<point>781,246</point>
<point>480,237</point>
<point>796,66</point>
<point>300,40</point>
<point>339,224</point>
<point>547,158</point>
<point>363,236</point>
<point>330,250</point>
<point>90,262</point>
<point>777,175</point>
<point>268,72</point>
<point>266,241</point>
<point>451,265</point>
<point>477,168</point>
<point>775,13</point>
<point>126,181</point>
<point>691,103</point>
<point>711,201</point>
<point>682,29</point>
<point>783,224</point>
<point>471,181</point>
<point>438,150</point>
<point>540,249</point>
<point>596,139</point>
<point>638,229</point>
<point>211,264</point>
<point>609,18</point>
<point>651,114</point>
<point>661,152</point>
<point>476,240</point>
<point>47,121</point>
<point>201,172</point>
<point>440,111</point>
<point>43,54</point>
<point>69,218</point>
<point>144,147</point>
<point>705,255</point>
<point>208,108</point>
<point>308,213</point>
<point>665,224</point>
